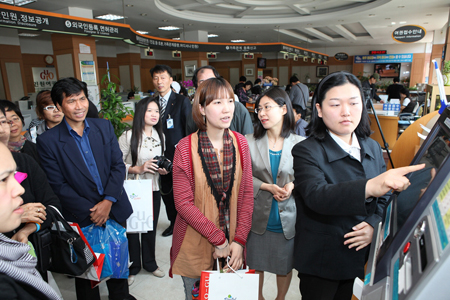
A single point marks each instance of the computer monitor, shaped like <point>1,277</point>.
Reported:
<point>402,207</point>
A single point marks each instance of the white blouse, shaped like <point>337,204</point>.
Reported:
<point>149,148</point>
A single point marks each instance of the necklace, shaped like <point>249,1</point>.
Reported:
<point>274,144</point>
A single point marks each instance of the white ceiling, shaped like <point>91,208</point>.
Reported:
<point>305,23</point>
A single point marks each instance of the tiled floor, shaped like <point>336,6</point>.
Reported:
<point>148,287</point>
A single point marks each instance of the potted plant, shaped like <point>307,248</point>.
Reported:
<point>113,108</point>
<point>307,78</point>
<point>446,72</point>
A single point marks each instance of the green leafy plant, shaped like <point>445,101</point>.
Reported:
<point>446,68</point>
<point>113,108</point>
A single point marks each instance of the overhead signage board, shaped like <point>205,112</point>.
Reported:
<point>384,58</point>
<point>23,18</point>
<point>409,34</point>
<point>341,56</point>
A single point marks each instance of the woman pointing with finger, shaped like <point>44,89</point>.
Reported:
<point>342,189</point>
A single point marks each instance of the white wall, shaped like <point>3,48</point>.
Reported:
<point>36,45</point>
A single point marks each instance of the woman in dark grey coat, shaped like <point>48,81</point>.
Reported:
<point>342,189</point>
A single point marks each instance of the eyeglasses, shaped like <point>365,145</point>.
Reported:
<point>14,120</point>
<point>266,108</point>
<point>50,107</point>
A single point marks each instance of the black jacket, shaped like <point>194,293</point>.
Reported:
<point>15,290</point>
<point>180,110</point>
<point>330,199</point>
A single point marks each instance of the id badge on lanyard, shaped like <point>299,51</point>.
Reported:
<point>169,122</point>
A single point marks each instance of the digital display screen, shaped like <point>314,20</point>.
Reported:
<point>387,70</point>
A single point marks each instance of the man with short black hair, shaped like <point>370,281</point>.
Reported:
<point>242,80</point>
<point>393,90</point>
<point>256,89</point>
<point>370,84</point>
<point>175,111</point>
<point>299,94</point>
<point>85,169</point>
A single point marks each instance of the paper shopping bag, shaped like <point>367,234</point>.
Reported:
<point>94,272</point>
<point>140,194</point>
<point>243,284</point>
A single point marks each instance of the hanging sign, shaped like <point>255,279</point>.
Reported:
<point>409,34</point>
<point>341,56</point>
<point>384,58</point>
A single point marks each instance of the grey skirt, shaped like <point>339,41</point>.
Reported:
<point>270,252</point>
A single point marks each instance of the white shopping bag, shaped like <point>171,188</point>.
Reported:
<point>140,194</point>
<point>242,284</point>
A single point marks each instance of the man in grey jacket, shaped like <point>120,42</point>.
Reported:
<point>299,94</point>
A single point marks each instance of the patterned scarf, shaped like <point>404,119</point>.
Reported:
<point>220,187</point>
<point>17,263</point>
<point>17,146</point>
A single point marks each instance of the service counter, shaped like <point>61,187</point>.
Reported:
<point>389,125</point>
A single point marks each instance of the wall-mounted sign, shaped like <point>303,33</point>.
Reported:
<point>341,56</point>
<point>372,52</point>
<point>44,78</point>
<point>88,72</point>
<point>384,58</point>
<point>409,34</point>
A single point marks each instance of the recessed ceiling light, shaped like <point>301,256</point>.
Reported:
<point>141,32</point>
<point>238,41</point>
<point>169,28</point>
<point>17,2</point>
<point>402,22</point>
<point>129,5</point>
<point>428,15</point>
<point>393,23</point>
<point>165,20</point>
<point>176,39</point>
<point>190,24</point>
<point>110,17</point>
<point>24,34</point>
<point>401,6</point>
<point>211,35</point>
<point>144,15</point>
<point>372,15</point>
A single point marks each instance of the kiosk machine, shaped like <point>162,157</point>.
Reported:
<point>410,254</point>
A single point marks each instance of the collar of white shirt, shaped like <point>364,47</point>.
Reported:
<point>354,149</point>
<point>166,96</point>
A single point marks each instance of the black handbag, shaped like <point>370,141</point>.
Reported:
<point>69,253</point>
<point>42,242</point>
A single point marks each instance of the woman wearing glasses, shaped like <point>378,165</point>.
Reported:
<point>270,246</point>
<point>17,142</point>
<point>46,111</point>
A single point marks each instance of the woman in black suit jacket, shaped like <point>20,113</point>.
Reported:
<point>342,189</point>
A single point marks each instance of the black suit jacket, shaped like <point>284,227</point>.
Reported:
<point>330,199</point>
<point>70,178</point>
<point>179,109</point>
<point>393,91</point>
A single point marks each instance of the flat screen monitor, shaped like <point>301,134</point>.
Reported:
<point>261,63</point>
<point>434,153</point>
<point>387,70</point>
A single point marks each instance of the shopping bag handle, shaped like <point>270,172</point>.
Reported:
<point>228,264</point>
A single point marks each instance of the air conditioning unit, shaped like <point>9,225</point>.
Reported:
<point>320,62</point>
<point>312,59</point>
<point>149,52</point>
<point>286,56</point>
<point>249,55</point>
<point>324,62</point>
<point>176,54</point>
<point>305,59</point>
<point>211,55</point>
<point>295,57</point>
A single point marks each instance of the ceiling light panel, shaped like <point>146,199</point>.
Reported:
<point>169,28</point>
<point>110,17</point>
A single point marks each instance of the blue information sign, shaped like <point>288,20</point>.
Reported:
<point>384,58</point>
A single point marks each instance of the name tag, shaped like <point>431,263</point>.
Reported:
<point>169,123</point>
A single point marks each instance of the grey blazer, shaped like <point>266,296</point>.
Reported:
<point>259,151</point>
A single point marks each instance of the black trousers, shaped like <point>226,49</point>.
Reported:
<point>117,289</point>
<point>146,244</point>
<point>317,288</point>
<point>167,195</point>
